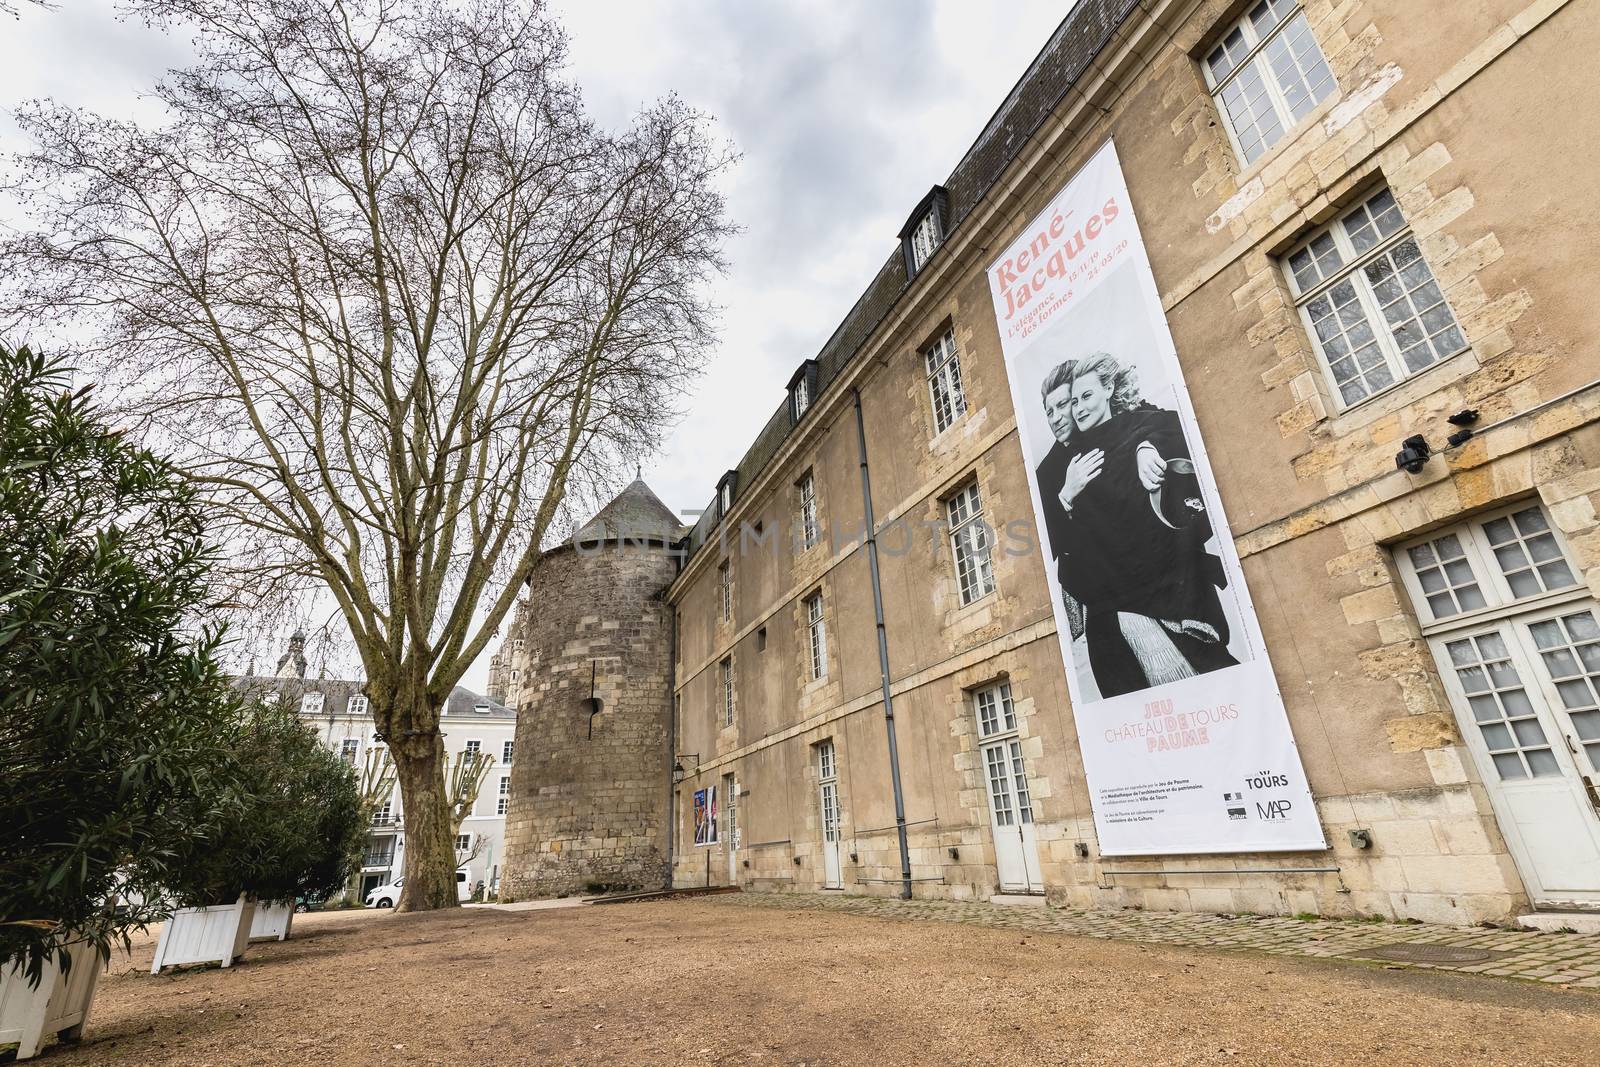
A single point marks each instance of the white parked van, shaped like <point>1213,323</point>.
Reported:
<point>386,896</point>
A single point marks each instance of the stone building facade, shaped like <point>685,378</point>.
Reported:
<point>592,649</point>
<point>1248,132</point>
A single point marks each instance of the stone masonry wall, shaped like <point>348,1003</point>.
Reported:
<point>591,810</point>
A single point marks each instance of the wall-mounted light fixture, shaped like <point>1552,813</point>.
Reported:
<point>1413,454</point>
<point>1360,838</point>
<point>797,861</point>
<point>679,773</point>
<point>1082,850</point>
<point>1465,418</point>
<point>854,858</point>
<point>955,853</point>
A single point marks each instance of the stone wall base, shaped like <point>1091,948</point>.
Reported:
<point>1436,856</point>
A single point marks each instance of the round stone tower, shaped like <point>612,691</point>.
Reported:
<point>590,781</point>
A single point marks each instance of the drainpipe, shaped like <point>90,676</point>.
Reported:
<point>883,651</point>
<point>672,730</point>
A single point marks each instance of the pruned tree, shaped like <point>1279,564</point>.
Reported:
<point>392,298</point>
<point>465,782</point>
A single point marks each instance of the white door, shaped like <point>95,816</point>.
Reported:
<point>1517,642</point>
<point>1016,848</point>
<point>828,805</point>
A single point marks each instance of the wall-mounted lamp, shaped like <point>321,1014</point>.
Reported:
<point>854,858</point>
<point>1082,850</point>
<point>797,861</point>
<point>955,853</point>
<point>1413,454</point>
<point>679,773</point>
<point>1360,838</point>
<point>1465,418</point>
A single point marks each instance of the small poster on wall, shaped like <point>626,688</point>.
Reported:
<point>705,816</point>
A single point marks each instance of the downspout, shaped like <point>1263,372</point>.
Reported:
<point>883,650</point>
<point>672,731</point>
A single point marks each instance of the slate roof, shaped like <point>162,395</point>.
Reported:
<point>336,694</point>
<point>636,513</point>
<point>1086,30</point>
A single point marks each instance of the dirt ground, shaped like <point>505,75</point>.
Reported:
<point>709,982</point>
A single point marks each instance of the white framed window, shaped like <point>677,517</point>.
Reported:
<point>828,789</point>
<point>1266,74</point>
<point>472,747</point>
<point>384,814</point>
<point>1517,638</point>
<point>506,748</point>
<point>726,671</point>
<point>725,497</point>
<point>996,715</point>
<point>1010,801</point>
<point>801,397</point>
<point>463,844</point>
<point>350,750</point>
<point>503,798</point>
<point>1369,300</point>
<point>311,704</point>
<point>810,531</point>
<point>725,589</point>
<point>943,366</point>
<point>924,239</point>
<point>970,544</point>
<point>1496,561</point>
<point>358,705</point>
<point>817,634</point>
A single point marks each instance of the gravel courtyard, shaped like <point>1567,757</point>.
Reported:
<point>711,981</point>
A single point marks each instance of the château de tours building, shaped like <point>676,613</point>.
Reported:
<point>1197,510</point>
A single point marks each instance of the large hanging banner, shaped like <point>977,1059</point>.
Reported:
<point>1185,741</point>
<point>705,816</point>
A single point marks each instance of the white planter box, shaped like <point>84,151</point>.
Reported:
<point>217,934</point>
<point>60,1004</point>
<point>272,921</point>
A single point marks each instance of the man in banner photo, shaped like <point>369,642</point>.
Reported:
<point>1126,526</point>
<point>1185,740</point>
<point>705,816</point>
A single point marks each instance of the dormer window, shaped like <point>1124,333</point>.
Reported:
<point>924,231</point>
<point>311,704</point>
<point>725,493</point>
<point>802,388</point>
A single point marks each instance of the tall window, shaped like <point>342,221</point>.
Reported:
<point>473,747</point>
<point>801,397</point>
<point>1369,300</point>
<point>828,789</point>
<point>349,749</point>
<point>506,748</point>
<point>809,531</point>
<point>1001,748</point>
<point>358,704</point>
<point>725,589</point>
<point>1266,74</point>
<point>944,382</point>
<point>924,239</point>
<point>1517,638</point>
<point>970,543</point>
<point>727,690</point>
<point>503,799</point>
<point>384,813</point>
<point>817,634</point>
<point>311,704</point>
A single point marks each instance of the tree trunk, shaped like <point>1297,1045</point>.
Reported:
<point>430,863</point>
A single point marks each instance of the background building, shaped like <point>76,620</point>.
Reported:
<point>1361,218</point>
<point>339,713</point>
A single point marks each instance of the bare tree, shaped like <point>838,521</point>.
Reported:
<point>464,783</point>
<point>392,297</point>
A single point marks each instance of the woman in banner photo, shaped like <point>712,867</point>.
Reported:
<point>1127,527</point>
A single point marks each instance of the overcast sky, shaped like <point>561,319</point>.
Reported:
<point>845,114</point>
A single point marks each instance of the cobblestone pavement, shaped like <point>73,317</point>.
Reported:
<point>1561,959</point>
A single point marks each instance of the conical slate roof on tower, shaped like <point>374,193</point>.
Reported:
<point>635,513</point>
